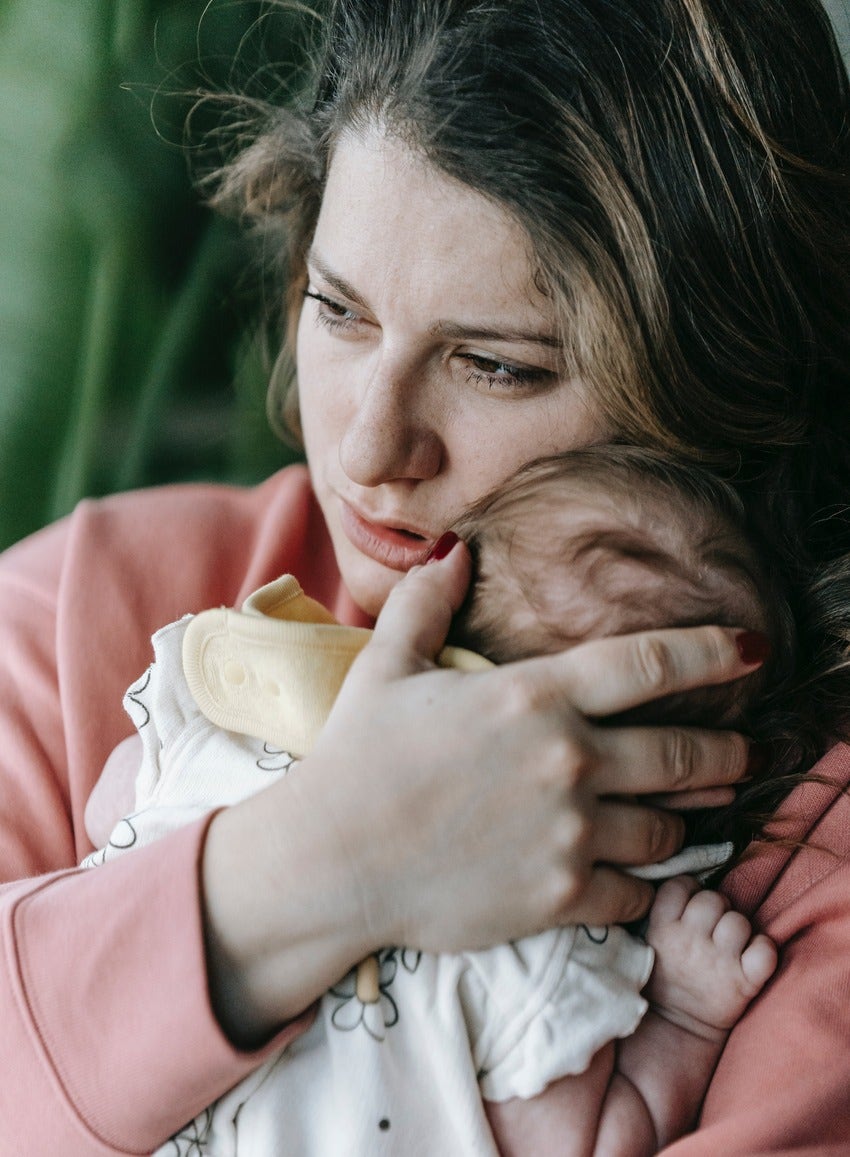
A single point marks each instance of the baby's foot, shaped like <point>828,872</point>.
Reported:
<point>708,965</point>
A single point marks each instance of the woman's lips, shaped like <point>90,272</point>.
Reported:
<point>391,546</point>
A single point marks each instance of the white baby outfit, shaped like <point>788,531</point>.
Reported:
<point>402,1068</point>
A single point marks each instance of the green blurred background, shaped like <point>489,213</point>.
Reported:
<point>130,351</point>
<point>129,345</point>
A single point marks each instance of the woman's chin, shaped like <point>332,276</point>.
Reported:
<point>369,583</point>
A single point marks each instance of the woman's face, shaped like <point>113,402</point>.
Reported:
<point>428,367</point>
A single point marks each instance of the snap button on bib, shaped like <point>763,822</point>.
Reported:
<point>234,672</point>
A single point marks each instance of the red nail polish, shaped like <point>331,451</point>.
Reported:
<point>753,646</point>
<point>757,760</point>
<point>443,546</point>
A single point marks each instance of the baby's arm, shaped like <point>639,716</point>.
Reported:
<point>708,969</point>
<point>114,793</point>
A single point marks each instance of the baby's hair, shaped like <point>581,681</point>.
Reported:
<point>614,539</point>
<point>610,540</point>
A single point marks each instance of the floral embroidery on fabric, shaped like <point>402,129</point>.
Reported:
<point>191,1141</point>
<point>139,713</point>
<point>596,935</point>
<point>350,1012</point>
<point>275,759</point>
<point>410,958</point>
<point>123,836</point>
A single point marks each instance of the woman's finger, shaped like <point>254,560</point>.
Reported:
<point>606,676</point>
<point>662,760</point>
<point>629,834</point>
<point>690,800</point>
<point>609,898</point>
<point>412,627</point>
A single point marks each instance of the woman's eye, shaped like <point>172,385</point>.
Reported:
<point>330,313</point>
<point>497,374</point>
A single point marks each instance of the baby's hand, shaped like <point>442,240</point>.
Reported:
<point>709,965</point>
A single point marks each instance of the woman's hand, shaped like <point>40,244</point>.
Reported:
<point>445,810</point>
<point>476,808</point>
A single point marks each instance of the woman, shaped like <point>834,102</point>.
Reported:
<point>514,230</point>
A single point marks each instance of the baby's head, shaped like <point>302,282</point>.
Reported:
<point>610,540</point>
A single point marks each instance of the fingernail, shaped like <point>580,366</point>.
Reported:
<point>443,546</point>
<point>753,646</point>
<point>757,760</point>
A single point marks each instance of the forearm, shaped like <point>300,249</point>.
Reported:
<point>281,924</point>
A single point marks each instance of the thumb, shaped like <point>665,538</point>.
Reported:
<point>412,627</point>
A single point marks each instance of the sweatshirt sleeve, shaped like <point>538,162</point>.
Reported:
<point>109,1040</point>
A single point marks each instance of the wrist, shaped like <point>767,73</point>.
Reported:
<point>277,915</point>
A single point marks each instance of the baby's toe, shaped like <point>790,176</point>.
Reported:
<point>704,912</point>
<point>758,961</point>
<point>732,933</point>
<point>671,899</point>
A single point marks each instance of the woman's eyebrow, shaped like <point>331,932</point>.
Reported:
<point>438,328</point>
<point>334,280</point>
<point>482,333</point>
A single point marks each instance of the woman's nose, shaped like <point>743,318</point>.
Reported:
<point>392,434</point>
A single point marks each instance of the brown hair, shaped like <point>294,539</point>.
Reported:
<point>682,170</point>
<point>613,539</point>
<point>608,540</point>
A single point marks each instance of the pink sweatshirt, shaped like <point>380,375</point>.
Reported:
<point>109,1043</point>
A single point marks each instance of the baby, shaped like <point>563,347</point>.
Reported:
<point>510,1050</point>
